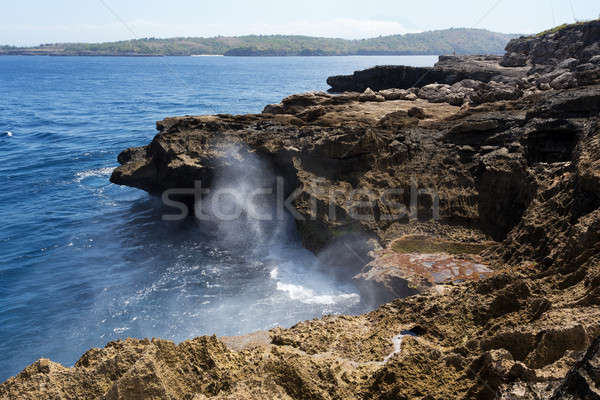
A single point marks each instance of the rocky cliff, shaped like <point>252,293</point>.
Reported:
<point>564,57</point>
<point>449,70</point>
<point>576,43</point>
<point>500,184</point>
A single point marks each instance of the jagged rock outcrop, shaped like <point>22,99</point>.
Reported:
<point>562,58</point>
<point>583,380</point>
<point>516,173</point>
<point>449,70</point>
<point>485,163</point>
<point>566,47</point>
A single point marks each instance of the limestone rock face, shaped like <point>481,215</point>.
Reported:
<point>578,41</point>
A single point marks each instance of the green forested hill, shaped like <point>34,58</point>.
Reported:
<point>461,41</point>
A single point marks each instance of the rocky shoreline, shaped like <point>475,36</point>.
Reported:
<point>504,153</point>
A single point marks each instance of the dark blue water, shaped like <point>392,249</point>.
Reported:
<point>84,262</point>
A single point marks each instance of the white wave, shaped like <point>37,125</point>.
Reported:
<point>308,296</point>
<point>94,173</point>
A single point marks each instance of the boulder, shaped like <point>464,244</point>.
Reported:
<point>514,60</point>
<point>370,95</point>
<point>495,91</point>
<point>394,94</point>
<point>586,67</point>
<point>564,81</point>
<point>435,93</point>
<point>274,109</point>
<point>569,63</point>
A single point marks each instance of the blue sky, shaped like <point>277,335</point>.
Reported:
<point>29,22</point>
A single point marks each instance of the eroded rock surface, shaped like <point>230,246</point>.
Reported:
<point>558,59</point>
<point>421,264</point>
<point>519,176</point>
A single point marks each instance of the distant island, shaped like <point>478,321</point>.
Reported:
<point>447,41</point>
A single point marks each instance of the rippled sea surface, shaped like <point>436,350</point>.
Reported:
<point>84,262</point>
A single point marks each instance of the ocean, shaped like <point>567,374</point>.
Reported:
<point>84,262</point>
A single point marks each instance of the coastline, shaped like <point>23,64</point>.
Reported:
<point>448,41</point>
<point>515,163</point>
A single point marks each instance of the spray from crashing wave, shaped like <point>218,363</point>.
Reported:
<point>244,193</point>
<point>238,267</point>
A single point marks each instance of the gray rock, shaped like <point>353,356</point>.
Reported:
<point>550,76</point>
<point>417,112</point>
<point>569,63</point>
<point>370,95</point>
<point>273,109</point>
<point>591,51</point>
<point>514,60</point>
<point>435,92</point>
<point>564,81</point>
<point>470,91</point>
<point>495,91</point>
<point>394,94</point>
<point>468,83</point>
<point>586,67</point>
<point>448,70</point>
<point>456,99</point>
<point>595,59</point>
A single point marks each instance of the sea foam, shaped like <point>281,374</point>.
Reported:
<point>99,172</point>
<point>308,296</point>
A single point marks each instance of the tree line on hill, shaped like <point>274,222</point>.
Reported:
<point>448,41</point>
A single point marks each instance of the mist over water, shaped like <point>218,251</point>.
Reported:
<point>84,262</point>
<point>275,280</point>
